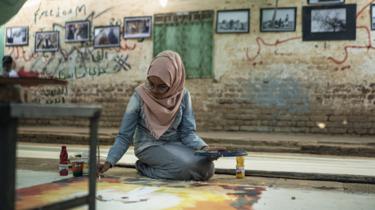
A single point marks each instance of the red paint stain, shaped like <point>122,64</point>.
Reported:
<point>261,42</point>
<point>345,67</point>
<point>347,47</point>
<point>124,46</point>
<point>363,9</point>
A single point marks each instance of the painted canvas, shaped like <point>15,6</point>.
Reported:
<point>144,193</point>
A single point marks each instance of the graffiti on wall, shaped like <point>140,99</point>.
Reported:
<point>49,95</point>
<point>59,13</point>
<point>75,62</point>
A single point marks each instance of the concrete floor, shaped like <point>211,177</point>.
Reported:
<point>278,194</point>
<point>37,163</point>
<point>276,162</point>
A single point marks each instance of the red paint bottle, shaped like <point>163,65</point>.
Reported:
<point>63,166</point>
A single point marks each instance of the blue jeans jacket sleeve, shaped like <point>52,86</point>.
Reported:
<point>127,128</point>
<point>187,127</point>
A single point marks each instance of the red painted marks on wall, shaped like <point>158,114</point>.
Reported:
<point>19,53</point>
<point>363,9</point>
<point>261,42</point>
<point>368,46</point>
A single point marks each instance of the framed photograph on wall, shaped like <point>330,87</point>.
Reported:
<point>77,31</point>
<point>334,22</point>
<point>47,41</point>
<point>106,36</point>
<point>325,1</point>
<point>372,15</point>
<point>17,36</point>
<point>137,27</point>
<point>233,21</point>
<point>278,20</point>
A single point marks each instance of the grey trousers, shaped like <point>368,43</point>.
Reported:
<point>174,161</point>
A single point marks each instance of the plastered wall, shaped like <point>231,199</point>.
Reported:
<point>262,81</point>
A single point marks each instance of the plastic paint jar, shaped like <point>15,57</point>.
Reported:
<point>77,168</point>
<point>63,169</point>
<point>240,167</point>
<point>85,159</point>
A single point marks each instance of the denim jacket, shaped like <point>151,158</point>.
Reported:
<point>133,129</point>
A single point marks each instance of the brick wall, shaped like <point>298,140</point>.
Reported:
<point>267,82</point>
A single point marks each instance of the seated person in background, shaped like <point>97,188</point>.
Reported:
<point>10,93</point>
<point>160,114</point>
<point>9,67</point>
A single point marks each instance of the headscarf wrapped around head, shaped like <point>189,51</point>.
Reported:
<point>160,112</point>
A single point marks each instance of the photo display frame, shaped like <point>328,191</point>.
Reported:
<point>325,2</point>
<point>47,41</point>
<point>17,36</point>
<point>137,27</point>
<point>372,15</point>
<point>77,31</point>
<point>233,21</point>
<point>107,36</point>
<point>278,19</point>
<point>334,22</point>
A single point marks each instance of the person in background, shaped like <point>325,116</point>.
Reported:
<point>9,67</point>
<point>160,115</point>
<point>11,93</point>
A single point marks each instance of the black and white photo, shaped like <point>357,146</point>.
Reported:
<point>77,31</point>
<point>328,20</point>
<point>233,21</point>
<point>137,27</point>
<point>322,2</point>
<point>47,41</point>
<point>334,22</point>
<point>17,36</point>
<point>278,20</point>
<point>106,36</point>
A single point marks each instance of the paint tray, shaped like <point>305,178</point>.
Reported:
<point>221,153</point>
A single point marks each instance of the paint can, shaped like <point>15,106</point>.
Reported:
<point>240,167</point>
<point>63,169</point>
<point>77,168</point>
<point>85,160</point>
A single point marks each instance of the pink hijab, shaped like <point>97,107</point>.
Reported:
<point>161,112</point>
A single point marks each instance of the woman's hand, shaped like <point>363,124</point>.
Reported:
<point>103,168</point>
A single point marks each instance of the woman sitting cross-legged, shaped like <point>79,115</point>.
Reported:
<point>160,117</point>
